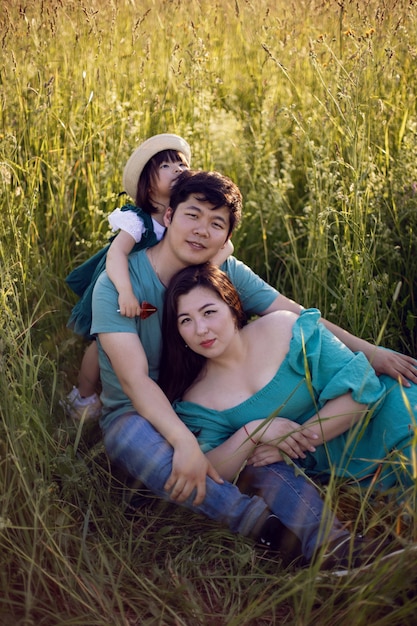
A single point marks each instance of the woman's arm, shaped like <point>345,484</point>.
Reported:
<point>117,268</point>
<point>394,364</point>
<point>282,433</point>
<point>289,439</point>
<point>335,418</point>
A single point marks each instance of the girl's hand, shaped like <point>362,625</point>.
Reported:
<point>224,252</point>
<point>289,437</point>
<point>128,304</point>
<point>396,365</point>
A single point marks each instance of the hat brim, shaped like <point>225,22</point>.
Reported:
<point>146,151</point>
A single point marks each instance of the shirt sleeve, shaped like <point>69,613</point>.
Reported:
<point>127,221</point>
<point>105,315</point>
<point>332,368</point>
<point>255,293</point>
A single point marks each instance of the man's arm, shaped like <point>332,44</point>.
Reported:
<point>189,465</point>
<point>394,364</point>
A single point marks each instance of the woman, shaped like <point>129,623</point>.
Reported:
<point>247,391</point>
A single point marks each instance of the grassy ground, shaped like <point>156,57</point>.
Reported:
<point>311,108</point>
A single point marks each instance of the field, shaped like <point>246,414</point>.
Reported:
<point>310,107</point>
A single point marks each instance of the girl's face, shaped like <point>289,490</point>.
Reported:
<point>167,173</point>
<point>205,322</point>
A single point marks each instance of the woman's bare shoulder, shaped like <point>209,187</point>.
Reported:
<point>273,329</point>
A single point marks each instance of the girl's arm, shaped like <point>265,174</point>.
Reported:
<point>223,253</point>
<point>117,268</point>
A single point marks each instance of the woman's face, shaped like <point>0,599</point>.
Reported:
<point>205,322</point>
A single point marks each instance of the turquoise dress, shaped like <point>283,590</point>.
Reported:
<point>378,447</point>
<point>83,278</point>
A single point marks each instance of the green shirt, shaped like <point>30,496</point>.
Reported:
<point>256,297</point>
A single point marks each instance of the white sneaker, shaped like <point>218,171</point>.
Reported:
<point>77,407</point>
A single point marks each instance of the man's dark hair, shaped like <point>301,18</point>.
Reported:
<point>211,187</point>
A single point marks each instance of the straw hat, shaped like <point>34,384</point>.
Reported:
<point>146,151</point>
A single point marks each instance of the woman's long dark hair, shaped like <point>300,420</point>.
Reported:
<point>180,366</point>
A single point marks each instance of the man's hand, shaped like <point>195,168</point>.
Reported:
<point>396,365</point>
<point>190,469</point>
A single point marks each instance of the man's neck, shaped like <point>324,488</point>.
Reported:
<point>164,263</point>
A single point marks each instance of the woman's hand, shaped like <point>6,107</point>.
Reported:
<point>190,468</point>
<point>396,365</point>
<point>265,454</point>
<point>290,438</point>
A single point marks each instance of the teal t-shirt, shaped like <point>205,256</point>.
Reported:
<point>256,297</point>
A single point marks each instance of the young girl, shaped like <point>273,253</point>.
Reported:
<point>147,177</point>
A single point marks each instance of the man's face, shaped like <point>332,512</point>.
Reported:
<point>197,231</point>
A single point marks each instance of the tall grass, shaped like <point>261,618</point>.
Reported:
<point>310,106</point>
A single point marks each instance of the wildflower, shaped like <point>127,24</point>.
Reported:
<point>5,523</point>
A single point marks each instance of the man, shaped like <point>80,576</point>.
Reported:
<point>141,430</point>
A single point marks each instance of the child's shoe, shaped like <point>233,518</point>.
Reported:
<point>77,407</point>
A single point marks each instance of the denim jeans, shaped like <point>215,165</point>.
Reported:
<point>133,443</point>
<point>295,501</point>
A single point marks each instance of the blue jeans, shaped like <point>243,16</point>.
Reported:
<point>295,501</point>
<point>133,443</point>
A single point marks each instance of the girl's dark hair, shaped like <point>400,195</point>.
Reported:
<point>149,177</point>
<point>180,366</point>
<point>212,187</point>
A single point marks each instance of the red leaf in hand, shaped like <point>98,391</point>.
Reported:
<point>146,310</point>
